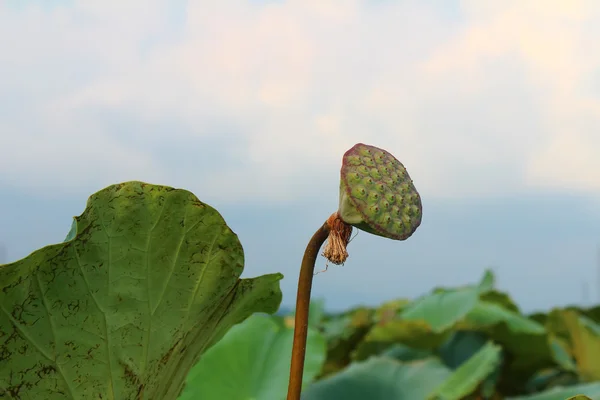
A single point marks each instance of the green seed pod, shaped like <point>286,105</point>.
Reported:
<point>377,194</point>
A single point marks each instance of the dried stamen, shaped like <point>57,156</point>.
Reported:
<point>339,236</point>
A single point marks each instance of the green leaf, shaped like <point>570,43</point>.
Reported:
<point>256,355</point>
<point>488,281</point>
<point>500,298</point>
<point>470,374</point>
<point>524,340</point>
<point>442,309</point>
<point>390,309</point>
<point>343,326</point>
<point>72,231</point>
<point>401,352</point>
<point>592,313</point>
<point>560,353</point>
<point>592,390</point>
<point>548,378</point>
<point>590,324</point>
<point>343,332</point>
<point>381,378</point>
<point>585,341</point>
<point>461,346</point>
<point>415,334</point>
<point>125,307</point>
<point>485,314</point>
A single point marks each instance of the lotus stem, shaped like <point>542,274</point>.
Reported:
<point>338,233</point>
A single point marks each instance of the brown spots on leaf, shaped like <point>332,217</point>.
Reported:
<point>140,393</point>
<point>198,203</point>
<point>165,359</point>
<point>130,375</point>
<point>89,355</point>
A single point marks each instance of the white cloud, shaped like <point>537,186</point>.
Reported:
<point>498,100</point>
<point>554,41</point>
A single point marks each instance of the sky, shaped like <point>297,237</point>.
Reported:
<point>493,107</point>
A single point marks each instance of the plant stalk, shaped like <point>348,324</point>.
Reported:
<point>302,308</point>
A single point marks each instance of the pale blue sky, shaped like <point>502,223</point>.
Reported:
<point>494,108</point>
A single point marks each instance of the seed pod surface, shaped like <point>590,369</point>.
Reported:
<point>377,194</point>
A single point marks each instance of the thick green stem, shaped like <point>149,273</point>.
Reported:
<point>302,309</point>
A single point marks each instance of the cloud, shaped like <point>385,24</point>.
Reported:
<point>259,100</point>
<point>554,43</point>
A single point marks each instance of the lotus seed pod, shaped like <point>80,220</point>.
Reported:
<point>377,194</point>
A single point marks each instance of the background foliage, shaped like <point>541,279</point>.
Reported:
<point>470,342</point>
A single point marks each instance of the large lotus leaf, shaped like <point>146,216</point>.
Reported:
<point>338,327</point>
<point>470,374</point>
<point>381,378</point>
<point>575,336</point>
<point>560,353</point>
<point>539,317</point>
<point>555,325</point>
<point>585,342</point>
<point>252,361</point>
<point>593,313</point>
<point>485,313</point>
<point>525,340</point>
<point>415,334</point>
<point>487,282</point>
<point>549,378</point>
<point>442,309</point>
<point>590,324</point>
<point>461,346</point>
<point>405,353</point>
<point>343,332</point>
<point>500,298</point>
<point>389,310</point>
<point>445,307</point>
<point>147,281</point>
<point>592,390</point>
